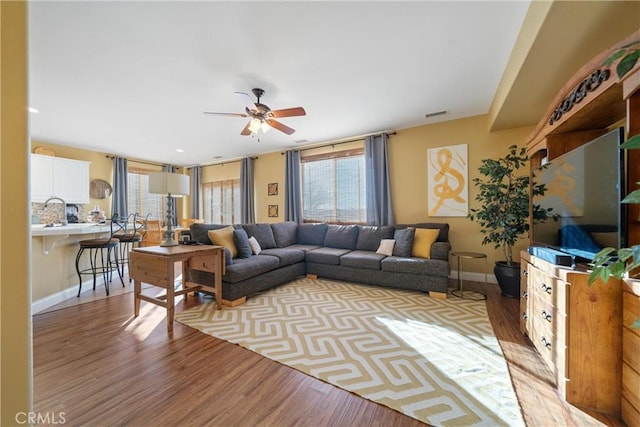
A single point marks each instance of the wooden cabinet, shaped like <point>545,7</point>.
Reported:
<point>576,328</point>
<point>631,353</point>
<point>64,178</point>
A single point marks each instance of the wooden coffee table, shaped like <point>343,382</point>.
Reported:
<point>155,265</point>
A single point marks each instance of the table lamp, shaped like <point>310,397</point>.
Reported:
<point>172,185</point>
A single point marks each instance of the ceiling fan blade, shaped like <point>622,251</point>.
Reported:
<point>289,112</point>
<point>211,113</point>
<point>246,130</point>
<point>282,128</point>
<point>251,106</point>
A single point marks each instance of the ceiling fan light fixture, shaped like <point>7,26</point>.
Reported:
<point>254,125</point>
<point>265,127</point>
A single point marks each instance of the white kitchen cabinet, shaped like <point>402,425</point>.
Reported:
<point>55,176</point>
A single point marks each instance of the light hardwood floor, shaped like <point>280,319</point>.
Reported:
<point>100,366</point>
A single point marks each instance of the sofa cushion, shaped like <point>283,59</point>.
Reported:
<point>386,247</point>
<point>241,239</point>
<point>224,237</point>
<point>312,234</point>
<point>404,241</point>
<point>303,248</point>
<point>199,232</point>
<point>341,236</point>
<point>285,233</point>
<point>245,268</point>
<point>326,255</point>
<point>262,233</point>
<point>429,267</point>
<point>369,236</point>
<point>362,259</point>
<point>286,256</point>
<point>422,241</point>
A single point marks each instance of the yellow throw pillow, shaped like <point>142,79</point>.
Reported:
<point>422,241</point>
<point>224,237</point>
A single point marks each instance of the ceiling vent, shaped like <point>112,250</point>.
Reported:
<point>438,113</point>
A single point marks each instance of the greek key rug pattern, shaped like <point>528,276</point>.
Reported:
<point>434,360</point>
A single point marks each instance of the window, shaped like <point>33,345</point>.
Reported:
<point>140,200</point>
<point>221,202</point>
<point>333,187</point>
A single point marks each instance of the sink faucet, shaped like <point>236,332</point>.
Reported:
<point>64,209</point>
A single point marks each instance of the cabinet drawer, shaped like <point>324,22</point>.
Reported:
<point>548,318</point>
<point>630,384</point>
<point>550,348</point>
<point>630,414</point>
<point>550,288</point>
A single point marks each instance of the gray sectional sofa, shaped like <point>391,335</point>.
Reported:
<point>288,250</point>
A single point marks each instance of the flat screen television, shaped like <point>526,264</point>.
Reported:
<point>584,190</point>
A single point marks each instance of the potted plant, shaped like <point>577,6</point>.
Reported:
<point>503,214</point>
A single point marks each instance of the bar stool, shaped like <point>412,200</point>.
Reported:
<point>130,236</point>
<point>107,266</point>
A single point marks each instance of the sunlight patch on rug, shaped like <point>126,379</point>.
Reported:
<point>434,360</point>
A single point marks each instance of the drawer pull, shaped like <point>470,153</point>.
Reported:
<point>545,288</point>
<point>546,343</point>
<point>525,294</point>
<point>546,316</point>
<point>525,316</point>
<point>525,273</point>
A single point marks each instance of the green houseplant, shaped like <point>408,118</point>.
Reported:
<point>503,215</point>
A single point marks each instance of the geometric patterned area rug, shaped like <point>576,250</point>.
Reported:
<point>434,360</point>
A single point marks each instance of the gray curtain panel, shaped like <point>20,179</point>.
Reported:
<point>196,182</point>
<point>174,220</point>
<point>379,207</point>
<point>120,195</point>
<point>247,208</point>
<point>293,188</point>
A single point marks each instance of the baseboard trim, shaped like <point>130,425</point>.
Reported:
<point>58,297</point>
<point>474,277</point>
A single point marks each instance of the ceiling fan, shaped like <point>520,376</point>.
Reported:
<point>262,117</point>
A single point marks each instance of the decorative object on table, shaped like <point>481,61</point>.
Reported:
<point>273,211</point>
<point>504,211</point>
<point>272,189</point>
<point>44,151</point>
<point>171,185</point>
<point>96,215</point>
<point>99,189</point>
<point>447,181</point>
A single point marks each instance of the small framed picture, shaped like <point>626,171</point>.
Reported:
<point>272,189</point>
<point>273,211</point>
<point>185,237</point>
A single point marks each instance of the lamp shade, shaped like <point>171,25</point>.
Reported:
<point>168,183</point>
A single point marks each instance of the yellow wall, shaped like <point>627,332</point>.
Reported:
<point>16,386</point>
<point>268,169</point>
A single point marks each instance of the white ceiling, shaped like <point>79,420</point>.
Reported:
<point>133,78</point>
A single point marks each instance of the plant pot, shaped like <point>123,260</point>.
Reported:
<point>508,277</point>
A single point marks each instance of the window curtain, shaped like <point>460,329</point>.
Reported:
<point>293,188</point>
<point>247,208</point>
<point>120,194</point>
<point>379,207</point>
<point>196,182</point>
<point>171,169</point>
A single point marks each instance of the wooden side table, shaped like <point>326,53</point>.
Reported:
<point>155,265</point>
<point>469,255</point>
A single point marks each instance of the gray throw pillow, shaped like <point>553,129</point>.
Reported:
<point>241,239</point>
<point>227,257</point>
<point>404,242</point>
<point>262,233</point>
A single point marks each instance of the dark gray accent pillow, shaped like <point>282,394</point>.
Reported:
<point>199,232</point>
<point>227,257</point>
<point>241,239</point>
<point>285,233</point>
<point>262,233</point>
<point>404,242</point>
<point>341,236</point>
<point>369,236</point>
<point>443,234</point>
<point>312,234</point>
